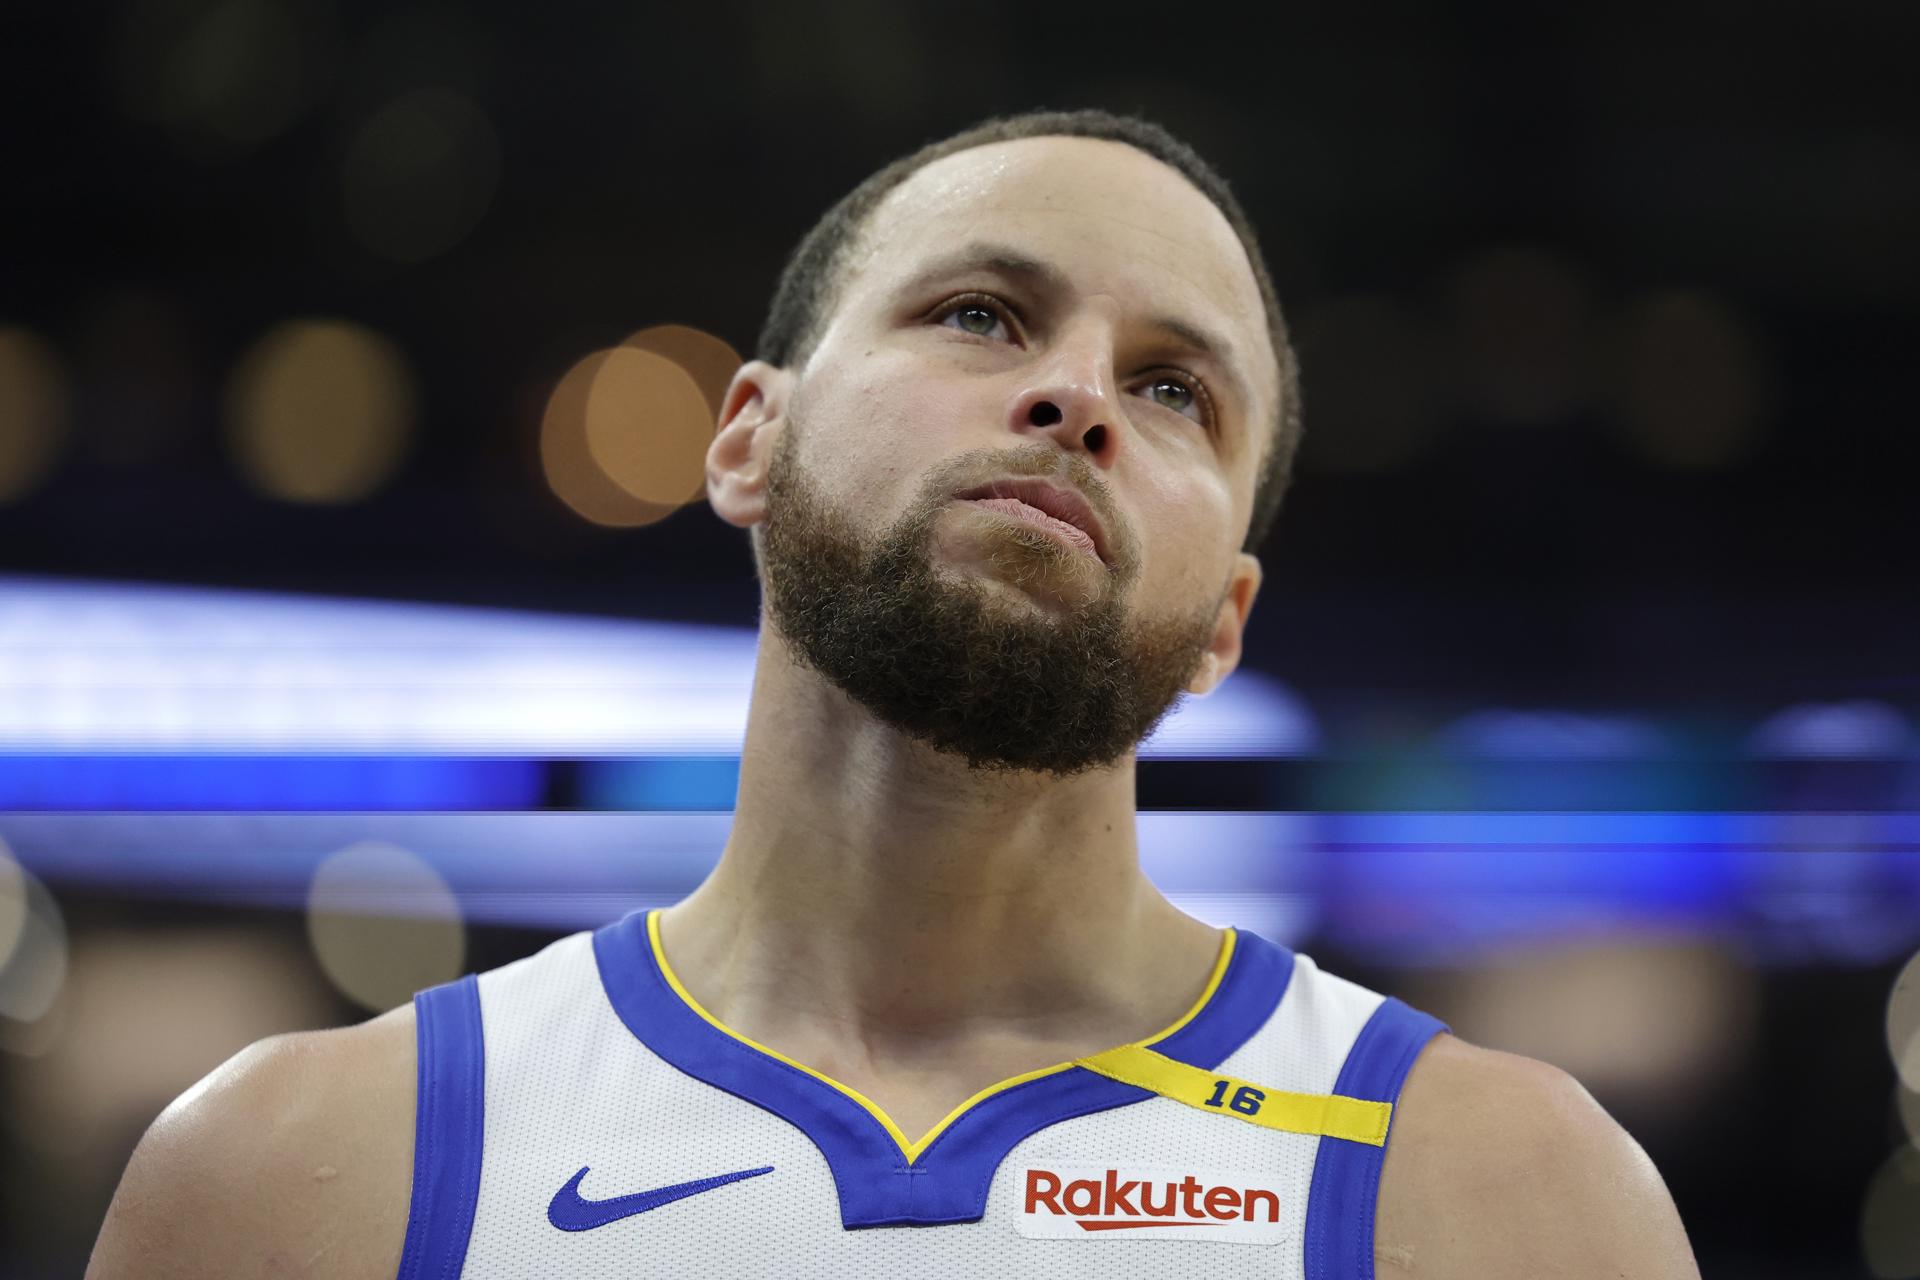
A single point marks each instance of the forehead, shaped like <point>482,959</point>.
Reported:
<point>1113,219</point>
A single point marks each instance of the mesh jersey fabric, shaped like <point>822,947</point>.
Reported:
<point>545,1067</point>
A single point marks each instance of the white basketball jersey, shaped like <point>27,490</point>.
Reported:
<point>581,1117</point>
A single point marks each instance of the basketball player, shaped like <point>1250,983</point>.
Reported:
<point>1023,408</point>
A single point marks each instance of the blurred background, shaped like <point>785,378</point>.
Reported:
<point>362,622</point>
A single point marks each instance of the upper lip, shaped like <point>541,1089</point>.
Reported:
<point>1061,504</point>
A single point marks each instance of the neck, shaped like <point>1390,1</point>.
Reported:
<point>882,892</point>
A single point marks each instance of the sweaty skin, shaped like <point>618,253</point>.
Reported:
<point>932,880</point>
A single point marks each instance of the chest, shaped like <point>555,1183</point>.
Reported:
<point>1149,1188</point>
<point>619,1126</point>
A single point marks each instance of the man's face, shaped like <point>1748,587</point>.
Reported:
<point>949,364</point>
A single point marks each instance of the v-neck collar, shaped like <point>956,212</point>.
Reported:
<point>883,1178</point>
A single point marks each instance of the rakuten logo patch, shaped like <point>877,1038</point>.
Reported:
<point>1082,1202</point>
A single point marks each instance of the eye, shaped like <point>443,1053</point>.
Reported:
<point>1185,393</point>
<point>977,314</point>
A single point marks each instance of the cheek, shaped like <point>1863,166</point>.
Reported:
<point>1183,531</point>
<point>876,431</point>
<point>891,424</point>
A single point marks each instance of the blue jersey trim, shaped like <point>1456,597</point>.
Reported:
<point>949,1180</point>
<point>1346,1175</point>
<point>448,1129</point>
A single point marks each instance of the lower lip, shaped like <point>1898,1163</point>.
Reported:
<point>1033,515</point>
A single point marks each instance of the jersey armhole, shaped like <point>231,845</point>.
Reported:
<point>448,1127</point>
<point>1338,1242</point>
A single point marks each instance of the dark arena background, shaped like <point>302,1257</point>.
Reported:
<point>363,621</point>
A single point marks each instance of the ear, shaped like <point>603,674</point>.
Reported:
<point>1223,651</point>
<point>752,414</point>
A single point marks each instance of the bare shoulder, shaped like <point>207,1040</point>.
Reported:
<point>294,1157</point>
<point>1500,1166</point>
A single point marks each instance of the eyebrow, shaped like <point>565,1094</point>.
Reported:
<point>1014,264</point>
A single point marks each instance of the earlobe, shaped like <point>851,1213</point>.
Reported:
<point>1236,603</point>
<point>751,416</point>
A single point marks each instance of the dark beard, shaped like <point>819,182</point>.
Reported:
<point>1007,687</point>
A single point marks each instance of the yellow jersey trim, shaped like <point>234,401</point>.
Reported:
<point>1329,1114</point>
<point>912,1149</point>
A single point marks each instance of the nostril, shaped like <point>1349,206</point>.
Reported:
<point>1044,413</point>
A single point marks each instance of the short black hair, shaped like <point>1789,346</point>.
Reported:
<point>809,286</point>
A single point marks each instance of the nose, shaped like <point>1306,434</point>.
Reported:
<point>1072,394</point>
